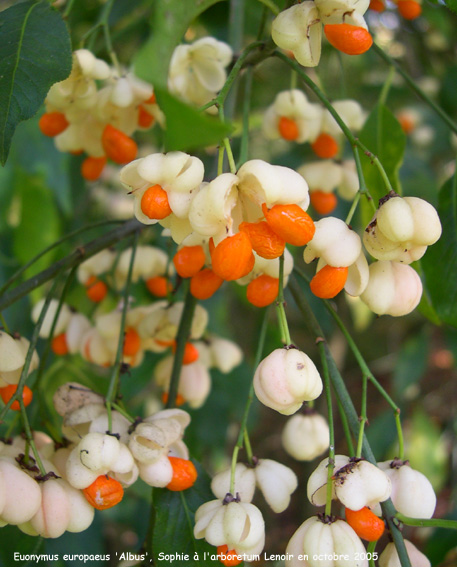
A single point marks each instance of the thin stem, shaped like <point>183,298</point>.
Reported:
<point>331,454</point>
<point>47,349</point>
<point>29,438</point>
<point>386,87</point>
<point>220,160</point>
<point>233,75</point>
<point>280,303</point>
<point>347,431</point>
<point>349,135</point>
<point>81,254</point>
<point>114,381</point>
<point>23,268</point>
<point>351,212</point>
<point>293,80</point>
<point>363,416</point>
<point>370,552</point>
<point>68,9</point>
<point>247,446</point>
<point>181,338</point>
<point>401,446</point>
<point>363,189</point>
<point>244,420</point>
<point>433,522</point>
<point>226,144</point>
<point>123,412</point>
<point>412,84</point>
<point>4,324</point>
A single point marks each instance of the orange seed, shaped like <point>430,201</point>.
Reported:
<point>328,282</point>
<point>184,474</point>
<point>325,146</point>
<point>233,258</point>
<point>154,203</point>
<point>365,523</point>
<point>204,284</point>
<point>105,492</point>
<point>59,345</point>
<point>262,291</point>
<point>8,392</point>
<point>323,202</point>
<point>352,40</point>
<point>189,260</point>
<point>118,146</point>
<point>53,123</point>
<point>409,9</point>
<point>92,167</point>
<point>291,223</point>
<point>265,242</point>
<point>288,128</point>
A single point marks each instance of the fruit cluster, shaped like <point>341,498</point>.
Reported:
<point>99,122</point>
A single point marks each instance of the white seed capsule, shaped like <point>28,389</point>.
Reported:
<point>305,437</point>
<point>285,379</point>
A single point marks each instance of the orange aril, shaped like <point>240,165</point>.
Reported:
<point>184,474</point>
<point>377,6</point>
<point>118,146</point>
<point>145,119</point>
<point>323,202</point>
<point>189,260</point>
<point>96,290</point>
<point>228,558</point>
<point>325,146</point>
<point>59,345</point>
<point>53,123</point>
<point>352,40</point>
<point>92,167</point>
<point>365,523</point>
<point>151,99</point>
<point>154,203</point>
<point>191,353</point>
<point>8,392</point>
<point>265,242</point>
<point>132,342</point>
<point>204,284</point>
<point>233,258</point>
<point>179,400</point>
<point>288,128</point>
<point>105,492</point>
<point>328,282</point>
<point>159,286</point>
<point>409,9</point>
<point>262,291</point>
<point>407,125</point>
<point>291,223</point>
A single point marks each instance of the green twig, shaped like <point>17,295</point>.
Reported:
<point>280,303</point>
<point>386,87</point>
<point>431,523</point>
<point>244,420</point>
<point>114,381</point>
<point>412,84</point>
<point>68,236</point>
<point>370,552</point>
<point>81,254</point>
<point>181,338</point>
<point>328,397</point>
<point>363,416</point>
<point>354,141</point>
<point>271,6</point>
<point>347,431</point>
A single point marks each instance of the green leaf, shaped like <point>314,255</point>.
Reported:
<point>38,223</point>
<point>169,22</point>
<point>35,53</point>
<point>383,136</point>
<point>187,128</point>
<point>174,524</point>
<point>439,265</point>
